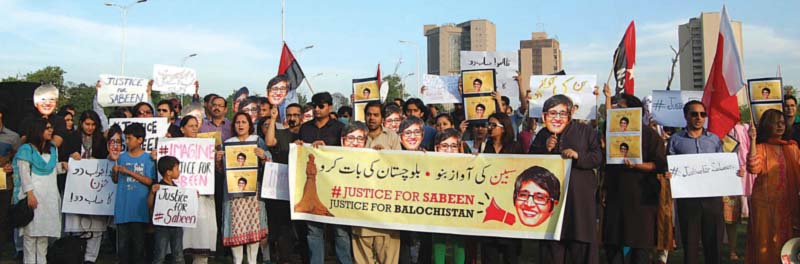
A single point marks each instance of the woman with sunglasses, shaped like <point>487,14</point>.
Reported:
<point>165,110</point>
<point>36,164</point>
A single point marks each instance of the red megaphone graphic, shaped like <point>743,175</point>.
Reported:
<point>495,213</point>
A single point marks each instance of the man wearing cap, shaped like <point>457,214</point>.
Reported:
<point>327,132</point>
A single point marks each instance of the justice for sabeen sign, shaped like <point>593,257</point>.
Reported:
<point>175,206</point>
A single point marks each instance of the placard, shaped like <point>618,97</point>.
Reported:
<point>175,206</point>
<point>241,168</point>
<point>760,108</point>
<point>366,89</point>
<point>667,106</point>
<point>358,111</point>
<point>480,81</point>
<point>216,135</point>
<point>173,79</point>
<point>484,195</point>
<point>579,88</point>
<point>89,189</point>
<point>196,156</point>
<point>765,89</point>
<point>704,175</point>
<point>3,184</point>
<point>505,64</point>
<point>624,135</point>
<point>477,108</point>
<point>121,91</point>
<point>155,128</point>
<point>275,183</point>
<point>440,89</point>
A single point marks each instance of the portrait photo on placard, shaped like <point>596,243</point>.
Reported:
<point>240,156</point>
<point>477,81</point>
<point>767,89</point>
<point>242,181</point>
<point>759,109</point>
<point>479,107</point>
<point>625,120</point>
<point>622,147</point>
<point>366,89</point>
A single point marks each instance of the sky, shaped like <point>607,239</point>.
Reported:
<point>239,42</point>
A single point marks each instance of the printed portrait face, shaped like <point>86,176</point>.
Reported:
<point>114,144</point>
<point>241,159</point>
<point>392,122</point>
<point>355,139</point>
<point>277,93</point>
<point>623,124</point>
<point>238,100</point>
<point>557,118</point>
<point>765,93</point>
<point>252,110</point>
<point>411,137</point>
<point>623,149</point>
<point>480,110</point>
<point>45,99</point>
<point>476,85</point>
<point>449,145</point>
<point>242,184</point>
<point>308,116</point>
<point>533,204</point>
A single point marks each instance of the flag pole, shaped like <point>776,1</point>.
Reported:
<point>308,83</point>
<point>283,21</point>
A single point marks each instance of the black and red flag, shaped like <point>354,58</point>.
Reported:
<point>289,67</point>
<point>624,61</point>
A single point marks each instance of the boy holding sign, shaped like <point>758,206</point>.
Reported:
<point>168,166</point>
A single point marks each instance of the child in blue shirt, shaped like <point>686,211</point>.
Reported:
<point>133,174</point>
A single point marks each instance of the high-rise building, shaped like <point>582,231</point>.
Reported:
<point>539,56</point>
<point>697,57</point>
<point>445,43</point>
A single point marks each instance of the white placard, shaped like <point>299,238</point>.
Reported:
<point>121,90</point>
<point>704,175</point>
<point>89,189</point>
<point>667,106</point>
<point>155,127</point>
<point>505,64</point>
<point>275,184</point>
<point>173,79</point>
<point>441,89</point>
<point>579,88</point>
<point>175,206</point>
<point>197,161</point>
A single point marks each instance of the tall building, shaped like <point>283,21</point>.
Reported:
<point>695,61</point>
<point>445,43</point>
<point>539,56</point>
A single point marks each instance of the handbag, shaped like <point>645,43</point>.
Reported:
<point>21,215</point>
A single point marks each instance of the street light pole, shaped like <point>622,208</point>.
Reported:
<point>124,26</point>
<point>419,74</point>
<point>403,87</point>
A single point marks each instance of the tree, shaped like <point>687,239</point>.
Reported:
<point>395,87</point>
<point>80,96</point>
<point>302,99</point>
<point>50,74</point>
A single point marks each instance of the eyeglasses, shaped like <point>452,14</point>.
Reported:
<point>356,139</point>
<point>145,112</point>
<point>278,89</point>
<point>556,114</point>
<point>409,133</point>
<point>493,125</point>
<point>698,114</point>
<point>539,198</point>
<point>320,106</point>
<point>114,142</point>
<point>448,146</point>
<point>160,110</point>
<point>293,115</point>
<point>394,120</point>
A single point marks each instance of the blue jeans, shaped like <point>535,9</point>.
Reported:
<point>130,242</point>
<point>316,243</point>
<point>168,236</point>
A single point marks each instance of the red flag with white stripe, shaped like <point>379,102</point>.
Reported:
<point>725,79</point>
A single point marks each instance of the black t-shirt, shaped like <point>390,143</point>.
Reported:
<point>330,133</point>
<point>280,152</point>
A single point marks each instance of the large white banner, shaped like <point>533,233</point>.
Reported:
<point>704,175</point>
<point>155,127</point>
<point>505,64</point>
<point>441,89</point>
<point>275,184</point>
<point>175,206</point>
<point>89,189</point>
<point>579,88</point>
<point>667,106</point>
<point>197,161</point>
<point>121,90</point>
<point>173,79</point>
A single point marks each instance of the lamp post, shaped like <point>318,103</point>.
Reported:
<point>124,25</point>
<point>183,61</point>
<point>403,88</point>
<point>419,74</point>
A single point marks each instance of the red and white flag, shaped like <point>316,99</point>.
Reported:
<point>725,79</point>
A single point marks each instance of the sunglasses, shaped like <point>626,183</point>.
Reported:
<point>698,114</point>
